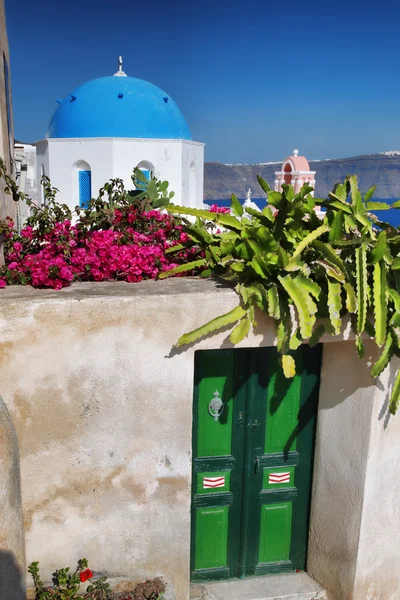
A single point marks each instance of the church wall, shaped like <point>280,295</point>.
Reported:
<point>102,405</point>
<point>110,158</point>
<point>165,155</point>
<point>193,174</point>
<point>62,158</point>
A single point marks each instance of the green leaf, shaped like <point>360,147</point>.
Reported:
<point>160,202</point>
<point>380,248</point>
<point>360,346</point>
<point>259,267</point>
<point>275,199</point>
<point>331,270</point>
<point>176,248</point>
<point>259,296</point>
<point>362,287</point>
<point>309,285</point>
<point>295,263</point>
<point>268,214</point>
<point>303,302</point>
<point>368,195</point>
<point>273,302</point>
<point>283,256</point>
<point>223,219</point>
<point>182,268</point>
<point>385,356</point>
<point>140,176</point>
<point>236,207</point>
<point>288,366</point>
<point>356,198</point>
<point>380,301</point>
<point>395,320</point>
<point>295,341</point>
<point>329,253</point>
<point>231,317</point>
<point>396,264</point>
<point>334,305</point>
<point>351,302</point>
<point>310,238</point>
<point>336,230</point>
<point>316,335</point>
<point>240,331</point>
<point>340,206</point>
<point>378,206</point>
<point>237,267</point>
<point>340,191</point>
<point>395,396</point>
<point>288,191</point>
<point>396,204</point>
<point>264,185</point>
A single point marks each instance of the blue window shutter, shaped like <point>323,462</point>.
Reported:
<point>143,186</point>
<point>85,188</point>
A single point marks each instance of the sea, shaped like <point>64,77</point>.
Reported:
<point>392,215</point>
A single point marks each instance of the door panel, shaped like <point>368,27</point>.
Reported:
<point>252,461</point>
<point>211,537</point>
<point>217,466</point>
<point>275,532</point>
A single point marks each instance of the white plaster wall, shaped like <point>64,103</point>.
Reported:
<point>102,405</point>
<point>192,174</point>
<point>111,158</point>
<point>62,156</point>
<point>42,159</point>
<point>354,544</point>
<point>165,155</point>
<point>378,564</point>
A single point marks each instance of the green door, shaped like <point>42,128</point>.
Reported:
<point>253,434</point>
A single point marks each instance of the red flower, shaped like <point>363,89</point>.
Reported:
<point>85,575</point>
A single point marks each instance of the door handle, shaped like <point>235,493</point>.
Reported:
<point>256,465</point>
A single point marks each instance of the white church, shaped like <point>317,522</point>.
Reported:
<point>108,126</point>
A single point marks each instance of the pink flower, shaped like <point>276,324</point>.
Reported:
<point>3,283</point>
<point>27,232</point>
<point>219,209</point>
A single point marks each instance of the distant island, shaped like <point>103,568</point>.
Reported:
<point>382,170</point>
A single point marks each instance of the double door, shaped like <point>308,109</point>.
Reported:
<point>253,435</point>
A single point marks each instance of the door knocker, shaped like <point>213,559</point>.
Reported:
<point>216,406</point>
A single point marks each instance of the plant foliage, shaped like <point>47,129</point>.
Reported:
<point>307,273</point>
<point>67,584</point>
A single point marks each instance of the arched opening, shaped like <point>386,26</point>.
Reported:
<point>287,173</point>
<point>147,169</point>
<point>82,183</point>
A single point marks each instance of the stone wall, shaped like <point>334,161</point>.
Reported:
<point>12,546</point>
<point>102,405</point>
<point>7,205</point>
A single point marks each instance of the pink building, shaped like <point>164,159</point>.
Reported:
<point>296,172</point>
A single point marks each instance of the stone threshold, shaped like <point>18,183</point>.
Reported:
<point>290,586</point>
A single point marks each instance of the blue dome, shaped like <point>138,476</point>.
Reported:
<point>118,107</point>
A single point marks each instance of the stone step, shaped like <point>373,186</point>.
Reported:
<point>290,586</point>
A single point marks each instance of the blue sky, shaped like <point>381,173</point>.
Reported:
<point>254,79</point>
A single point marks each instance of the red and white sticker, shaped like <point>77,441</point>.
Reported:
<point>213,482</point>
<point>279,478</point>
